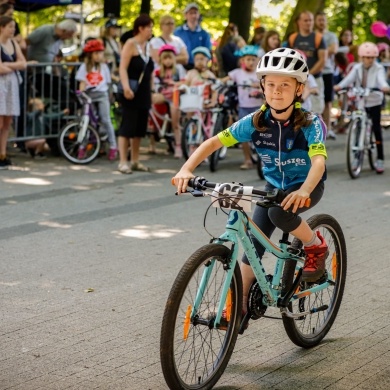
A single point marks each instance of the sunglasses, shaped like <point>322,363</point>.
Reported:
<point>169,24</point>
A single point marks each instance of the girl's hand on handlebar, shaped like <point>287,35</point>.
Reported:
<point>297,199</point>
<point>181,180</point>
<point>385,89</point>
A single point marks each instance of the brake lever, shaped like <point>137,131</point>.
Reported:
<point>195,193</point>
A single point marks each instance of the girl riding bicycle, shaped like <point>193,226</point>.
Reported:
<point>95,78</point>
<point>166,77</point>
<point>290,142</point>
<point>370,74</point>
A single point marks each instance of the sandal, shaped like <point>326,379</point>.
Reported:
<point>124,168</point>
<point>247,165</point>
<point>137,166</point>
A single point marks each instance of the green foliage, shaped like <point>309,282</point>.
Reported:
<point>365,13</point>
<point>215,15</point>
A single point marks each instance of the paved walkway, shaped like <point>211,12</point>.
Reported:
<point>89,255</point>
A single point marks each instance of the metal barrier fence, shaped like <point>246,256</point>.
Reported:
<point>54,85</point>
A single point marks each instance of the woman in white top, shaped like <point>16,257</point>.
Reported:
<point>167,26</point>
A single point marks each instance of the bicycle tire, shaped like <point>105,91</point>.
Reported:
<point>69,146</point>
<point>215,156</point>
<point>354,157</point>
<point>198,361</point>
<point>308,331</point>
<point>189,137</point>
<point>372,150</point>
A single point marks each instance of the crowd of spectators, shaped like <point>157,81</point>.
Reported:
<point>138,56</point>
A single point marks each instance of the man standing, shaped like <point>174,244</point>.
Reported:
<point>191,33</point>
<point>313,45</point>
<point>331,40</point>
<point>44,43</point>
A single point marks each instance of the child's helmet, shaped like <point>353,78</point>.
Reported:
<point>201,50</point>
<point>247,50</point>
<point>167,47</point>
<point>93,45</point>
<point>283,62</point>
<point>368,49</point>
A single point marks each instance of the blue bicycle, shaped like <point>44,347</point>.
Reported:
<point>203,314</point>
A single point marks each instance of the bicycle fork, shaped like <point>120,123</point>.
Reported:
<point>84,122</point>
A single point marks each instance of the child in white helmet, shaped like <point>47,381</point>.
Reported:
<point>370,74</point>
<point>290,142</point>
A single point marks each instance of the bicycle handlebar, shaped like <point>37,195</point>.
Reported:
<point>275,197</point>
<point>359,91</point>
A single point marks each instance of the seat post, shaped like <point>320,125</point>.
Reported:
<point>284,239</point>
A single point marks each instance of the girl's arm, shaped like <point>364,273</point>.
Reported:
<point>20,63</point>
<point>82,85</point>
<point>297,198</point>
<point>201,153</point>
<point>127,54</point>
<point>4,69</point>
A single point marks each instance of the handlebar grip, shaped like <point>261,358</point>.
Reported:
<point>173,181</point>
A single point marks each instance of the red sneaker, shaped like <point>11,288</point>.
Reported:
<point>316,255</point>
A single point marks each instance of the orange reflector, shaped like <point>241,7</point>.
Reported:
<point>89,147</point>
<point>334,266</point>
<point>187,322</point>
<point>72,135</point>
<point>228,304</point>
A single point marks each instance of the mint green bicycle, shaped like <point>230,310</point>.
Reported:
<point>203,314</point>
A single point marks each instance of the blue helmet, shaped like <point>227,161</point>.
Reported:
<point>247,50</point>
<point>202,50</point>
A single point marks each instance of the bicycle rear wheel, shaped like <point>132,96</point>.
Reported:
<point>307,331</point>
<point>74,151</point>
<point>193,353</point>
<point>355,152</point>
<point>190,138</point>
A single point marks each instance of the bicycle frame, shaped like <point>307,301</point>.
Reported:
<point>87,116</point>
<point>154,116</point>
<point>237,231</point>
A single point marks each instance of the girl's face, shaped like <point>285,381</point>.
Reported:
<point>167,60</point>
<point>249,62</point>
<point>98,56</point>
<point>280,91</point>
<point>200,62</point>
<point>8,31</point>
<point>273,42</point>
<point>346,38</point>
<point>368,61</point>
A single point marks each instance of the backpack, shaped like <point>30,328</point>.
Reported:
<point>293,37</point>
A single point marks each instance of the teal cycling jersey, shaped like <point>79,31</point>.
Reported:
<point>285,153</point>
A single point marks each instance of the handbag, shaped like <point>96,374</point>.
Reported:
<point>133,83</point>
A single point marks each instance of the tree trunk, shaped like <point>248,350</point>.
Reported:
<point>241,14</point>
<point>303,5</point>
<point>145,7</point>
<point>350,14</point>
<point>383,11</point>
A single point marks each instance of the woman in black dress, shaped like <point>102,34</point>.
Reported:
<point>136,72</point>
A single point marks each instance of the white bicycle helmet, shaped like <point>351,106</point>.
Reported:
<point>368,49</point>
<point>283,62</point>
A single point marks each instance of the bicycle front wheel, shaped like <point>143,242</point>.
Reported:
<point>193,353</point>
<point>371,150</point>
<point>355,151</point>
<point>74,151</point>
<point>216,156</point>
<point>308,330</point>
<point>191,137</point>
